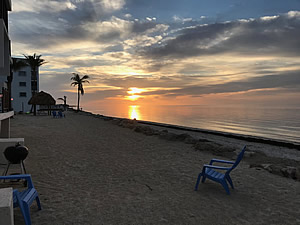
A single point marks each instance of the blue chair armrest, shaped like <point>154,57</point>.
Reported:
<point>220,161</point>
<point>216,167</point>
<point>27,177</point>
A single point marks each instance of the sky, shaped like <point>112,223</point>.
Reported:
<point>164,52</point>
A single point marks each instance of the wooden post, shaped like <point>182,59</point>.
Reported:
<point>5,124</point>
<point>5,128</point>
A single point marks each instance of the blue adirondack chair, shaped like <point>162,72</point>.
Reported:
<point>209,171</point>
<point>54,114</point>
<point>60,114</point>
<point>25,198</point>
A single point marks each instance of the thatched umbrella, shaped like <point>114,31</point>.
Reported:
<point>41,98</point>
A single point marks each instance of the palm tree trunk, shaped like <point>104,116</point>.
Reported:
<point>34,109</point>
<point>78,99</point>
<point>33,82</point>
<point>33,89</point>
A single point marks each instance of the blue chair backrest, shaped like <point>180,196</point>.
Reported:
<point>238,159</point>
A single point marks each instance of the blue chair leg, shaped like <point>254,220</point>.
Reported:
<point>230,181</point>
<point>225,185</point>
<point>203,178</point>
<point>26,214</point>
<point>198,180</point>
<point>38,202</point>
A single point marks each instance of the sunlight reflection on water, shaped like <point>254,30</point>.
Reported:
<point>134,112</point>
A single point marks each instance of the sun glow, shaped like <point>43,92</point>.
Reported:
<point>133,97</point>
<point>133,91</point>
<point>133,112</point>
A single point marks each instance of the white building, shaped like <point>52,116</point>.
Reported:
<point>21,88</point>
<point>5,54</point>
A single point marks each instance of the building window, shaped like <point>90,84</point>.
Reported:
<point>22,73</point>
<point>23,94</point>
<point>22,84</point>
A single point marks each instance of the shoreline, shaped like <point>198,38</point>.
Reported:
<point>273,156</point>
<point>249,138</point>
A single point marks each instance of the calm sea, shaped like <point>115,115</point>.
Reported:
<point>275,123</point>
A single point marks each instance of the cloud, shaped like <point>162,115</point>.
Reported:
<point>183,20</point>
<point>182,57</point>
<point>112,5</point>
<point>185,85</point>
<point>62,5</point>
<point>81,27</point>
<point>264,36</point>
<point>42,5</point>
<point>51,23</point>
<point>288,81</point>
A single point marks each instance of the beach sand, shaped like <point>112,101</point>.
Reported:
<point>89,170</point>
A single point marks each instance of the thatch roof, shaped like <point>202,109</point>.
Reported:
<point>42,98</point>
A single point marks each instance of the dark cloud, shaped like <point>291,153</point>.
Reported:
<point>41,31</point>
<point>149,81</point>
<point>183,85</point>
<point>113,48</point>
<point>288,80</point>
<point>109,36</point>
<point>103,94</point>
<point>278,35</point>
<point>46,28</point>
<point>85,11</point>
<point>157,66</point>
<point>140,27</point>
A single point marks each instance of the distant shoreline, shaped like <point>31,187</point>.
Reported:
<point>229,135</point>
<point>249,138</point>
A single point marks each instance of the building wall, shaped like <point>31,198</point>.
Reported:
<point>5,6</point>
<point>5,54</point>
<point>21,89</point>
<point>4,50</point>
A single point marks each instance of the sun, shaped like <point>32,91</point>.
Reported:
<point>134,90</point>
<point>133,93</point>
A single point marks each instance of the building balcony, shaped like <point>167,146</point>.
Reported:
<point>5,55</point>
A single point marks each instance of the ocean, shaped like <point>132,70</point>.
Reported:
<point>267,122</point>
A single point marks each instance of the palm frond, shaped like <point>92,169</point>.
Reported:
<point>75,83</point>
<point>34,61</point>
<point>85,77</point>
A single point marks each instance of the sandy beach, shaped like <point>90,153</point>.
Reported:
<point>93,170</point>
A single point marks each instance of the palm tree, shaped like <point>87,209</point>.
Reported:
<point>65,101</point>
<point>78,81</point>
<point>34,61</point>
<point>15,65</point>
